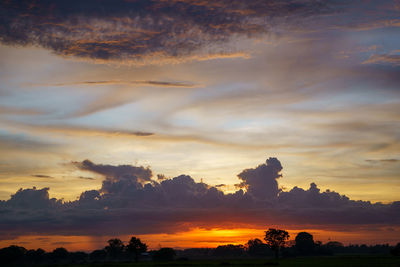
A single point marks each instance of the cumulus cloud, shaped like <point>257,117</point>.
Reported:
<point>118,179</point>
<point>131,201</point>
<point>32,199</point>
<point>138,29</point>
<point>261,182</point>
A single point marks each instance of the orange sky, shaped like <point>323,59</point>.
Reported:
<point>209,95</point>
<point>195,238</point>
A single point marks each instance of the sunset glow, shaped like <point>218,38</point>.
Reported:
<point>200,238</point>
<point>195,124</point>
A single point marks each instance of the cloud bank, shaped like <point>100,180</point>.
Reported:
<point>130,200</point>
<point>138,29</point>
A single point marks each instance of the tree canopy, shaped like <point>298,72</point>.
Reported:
<point>136,247</point>
<point>304,243</point>
<point>276,239</point>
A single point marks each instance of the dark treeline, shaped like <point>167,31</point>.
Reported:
<point>304,245</point>
<point>275,245</point>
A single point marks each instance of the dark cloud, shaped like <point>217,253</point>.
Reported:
<point>41,176</point>
<point>261,182</point>
<point>118,179</point>
<point>130,201</point>
<point>33,199</point>
<point>382,160</point>
<point>62,128</point>
<point>118,82</point>
<point>161,177</point>
<point>137,29</point>
<point>115,172</point>
<point>86,178</point>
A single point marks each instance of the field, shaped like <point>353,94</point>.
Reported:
<point>337,261</point>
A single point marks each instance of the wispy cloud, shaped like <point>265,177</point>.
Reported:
<point>19,111</point>
<point>24,143</point>
<point>86,178</point>
<point>370,25</point>
<point>121,82</point>
<point>382,160</point>
<point>42,176</point>
<point>77,130</point>
<point>389,59</point>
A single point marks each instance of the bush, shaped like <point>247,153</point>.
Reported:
<point>164,254</point>
<point>396,250</point>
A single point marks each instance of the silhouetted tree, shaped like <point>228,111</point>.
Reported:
<point>35,255</point>
<point>304,243</point>
<point>78,257</point>
<point>396,250</point>
<point>276,239</point>
<point>229,250</point>
<point>59,255</point>
<point>98,255</point>
<point>12,254</point>
<point>115,248</point>
<point>334,244</point>
<point>136,247</point>
<point>164,254</point>
<point>255,247</point>
<point>335,247</point>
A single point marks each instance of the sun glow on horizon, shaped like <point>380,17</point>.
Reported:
<point>196,238</point>
<point>196,124</point>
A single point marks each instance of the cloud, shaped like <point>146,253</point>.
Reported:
<point>389,59</point>
<point>21,142</point>
<point>135,83</point>
<point>19,111</point>
<point>370,25</point>
<point>170,31</point>
<point>382,160</point>
<point>137,30</point>
<point>32,199</point>
<point>130,201</point>
<point>168,136</point>
<point>117,178</point>
<point>41,176</point>
<point>74,130</point>
<point>261,182</point>
<point>86,178</point>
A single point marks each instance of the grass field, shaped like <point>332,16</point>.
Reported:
<point>347,261</point>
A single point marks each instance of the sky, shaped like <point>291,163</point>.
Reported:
<point>194,123</point>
